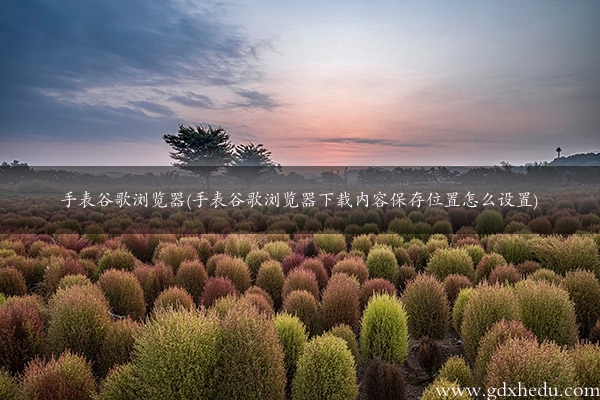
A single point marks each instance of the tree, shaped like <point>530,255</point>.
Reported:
<point>202,150</point>
<point>251,161</point>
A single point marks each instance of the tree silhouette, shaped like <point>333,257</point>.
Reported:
<point>202,150</point>
<point>249,162</point>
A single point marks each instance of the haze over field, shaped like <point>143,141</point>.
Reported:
<point>318,82</point>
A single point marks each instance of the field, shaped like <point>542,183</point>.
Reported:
<point>315,302</point>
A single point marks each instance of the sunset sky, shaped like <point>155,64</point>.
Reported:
<point>379,82</point>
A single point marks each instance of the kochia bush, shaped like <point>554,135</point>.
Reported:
<point>341,302</point>
<point>427,308</point>
<point>584,291</point>
<point>450,261</point>
<point>124,293</point>
<point>382,263</point>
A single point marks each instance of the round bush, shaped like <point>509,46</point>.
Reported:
<point>330,242</point>
<point>74,280</point>
<point>215,288</point>
<point>384,331</point>
<point>514,248</point>
<point>456,369</point>
<point>547,310</point>
<point>475,251</point>
<point>545,275</point>
<point>567,225</point>
<point>584,292</point>
<point>292,261</point>
<point>362,243</point>
<point>293,339</point>
<point>383,380</point>
<point>12,282</point>
<point>459,307</point>
<point>117,259</point>
<point>270,278</point>
<point>301,279</point>
<point>486,306</point>
<point>489,222</point>
<point>540,225</point>
<point>8,385</point>
<point>452,261</point>
<point>317,267</point>
<point>236,270</point>
<point>429,355</point>
<point>124,293</point>
<point>406,273</point>
<point>260,302</point>
<point>504,274</point>
<point>173,254</point>
<point>254,260</point>
<point>118,344</point>
<point>567,254</point>
<point>341,302</point>
<point>79,321</point>
<point>238,245</point>
<point>120,384</point>
<point>381,263</point>
<point>261,292</point>
<point>192,277</point>
<point>375,286</point>
<point>154,280</point>
<point>528,267</point>
<point>529,364</point>
<point>304,305</point>
<point>487,265</point>
<point>57,268</point>
<point>432,391</point>
<point>278,250</point>
<point>499,333</point>
<point>345,332</point>
<point>328,361</point>
<point>67,378</point>
<point>586,359</point>
<point>173,298</point>
<point>426,306</point>
<point>453,284</point>
<point>594,336</point>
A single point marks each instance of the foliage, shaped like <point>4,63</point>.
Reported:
<point>124,293</point>
<point>301,279</point>
<point>330,241</point>
<point>173,298</point>
<point>453,284</point>
<point>456,369</point>
<point>375,286</point>
<point>118,344</point>
<point>192,277</point>
<point>567,254</point>
<point>381,263</point>
<point>504,274</point>
<point>345,332</point>
<point>340,302</point>
<point>236,270</point>
<point>383,380</point>
<point>426,306</point>
<point>271,279</point>
<point>215,288</point>
<point>452,261</point>
<point>117,259</point>
<point>120,384</point>
<point>429,354</point>
<point>303,305</point>
<point>584,292</point>
<point>432,391</point>
<point>586,358</point>
<point>8,385</point>
<point>293,338</point>
<point>489,222</point>
<point>249,162</point>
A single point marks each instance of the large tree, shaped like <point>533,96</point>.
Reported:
<point>251,161</point>
<point>202,150</point>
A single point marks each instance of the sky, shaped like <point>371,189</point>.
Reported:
<point>379,82</point>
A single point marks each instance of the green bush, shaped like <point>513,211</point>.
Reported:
<point>514,248</point>
<point>384,330</point>
<point>301,279</point>
<point>499,333</point>
<point>456,369</point>
<point>278,250</point>
<point>270,278</point>
<point>567,254</point>
<point>8,385</point>
<point>303,305</point>
<point>487,265</point>
<point>254,260</point>
<point>117,259</point>
<point>375,286</point>
<point>383,380</point>
<point>586,359</point>
<point>504,274</point>
<point>453,284</point>
<point>458,308</point>
<point>381,263</point>
<point>545,275</point>
<point>354,266</point>
<point>173,254</point>
<point>67,378</point>
<point>154,280</point>
<point>362,243</point>
<point>529,364</point>
<point>331,242</point>
<point>56,269</point>
<point>340,303</point>
<point>118,344</point>
<point>120,384</point>
<point>173,298</point>
<point>79,321</point>
<point>192,277</point>
<point>74,280</point>
<point>452,261</point>
<point>475,251</point>
<point>584,291</point>
<point>124,293</point>
<point>547,310</point>
<point>236,270</point>
<point>345,332</point>
<point>489,222</point>
<point>12,282</point>
<point>239,245</point>
<point>486,306</point>
<point>392,240</point>
<point>432,392</point>
<point>326,370</point>
<point>293,338</point>
<point>426,306</point>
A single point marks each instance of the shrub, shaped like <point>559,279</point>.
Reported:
<point>345,332</point>
<point>330,241</point>
<point>504,274</point>
<point>384,329</point>
<point>586,359</point>
<point>141,245</point>
<point>293,339</point>
<point>124,293</point>
<point>74,280</point>
<point>546,275</point>
<point>56,269</point>
<point>383,380</point>
<point>514,248</point>
<point>487,265</point>
<point>429,354</point>
<point>120,384</point>
<point>271,278</point>
<point>328,361</point>
<point>173,255</point>
<point>486,306</point>
<point>154,280</point>
<point>375,286</point>
<point>8,385</point>
<point>406,273</point>
<point>254,260</point>
<point>540,225</point>
<point>341,302</point>
<point>307,248</point>
<point>475,251</point>
<point>118,344</point>
<point>567,226</point>
<point>192,277</point>
<point>529,364</point>
<point>33,270</point>
<point>453,284</point>
<point>381,263</point>
<point>489,222</point>
<point>362,243</point>
<point>301,279</point>
<point>79,321</point>
<point>117,259</point>
<point>402,256</point>
<point>278,250</point>
<point>215,288</point>
<point>12,282</point>
<point>594,336</point>
<point>291,262</point>
<point>499,333</point>
<point>328,260</point>
<point>528,267</point>
<point>252,290</point>
<point>173,298</point>
<point>432,391</point>
<point>452,261</point>
<point>303,305</point>
<point>567,254</point>
<point>239,245</point>
<point>426,306</point>
<point>584,291</point>
<point>547,310</point>
<point>22,332</point>
<point>456,369</point>
<point>236,270</point>
<point>317,267</point>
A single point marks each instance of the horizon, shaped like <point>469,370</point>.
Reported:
<point>318,83</point>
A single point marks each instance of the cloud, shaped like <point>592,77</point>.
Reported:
<point>191,99</point>
<point>254,99</point>
<point>153,108</point>
<point>379,142</point>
